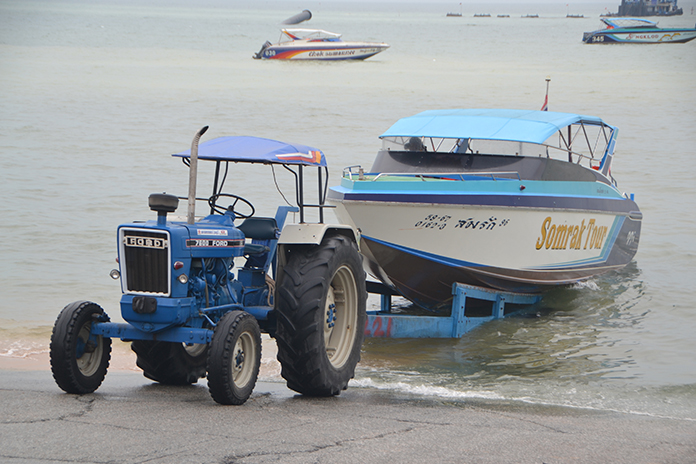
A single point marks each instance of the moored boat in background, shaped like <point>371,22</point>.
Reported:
<point>512,200</point>
<point>648,8</point>
<point>637,30</point>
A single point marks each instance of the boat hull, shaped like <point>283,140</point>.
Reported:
<point>654,36</point>
<point>329,51</point>
<point>420,244</point>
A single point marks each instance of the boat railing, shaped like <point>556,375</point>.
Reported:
<point>349,172</point>
<point>425,176</point>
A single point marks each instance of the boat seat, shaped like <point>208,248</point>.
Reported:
<point>415,144</point>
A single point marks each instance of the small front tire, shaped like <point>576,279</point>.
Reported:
<point>79,361</point>
<point>235,358</point>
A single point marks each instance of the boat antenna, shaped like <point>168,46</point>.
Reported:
<point>545,106</point>
<point>193,174</point>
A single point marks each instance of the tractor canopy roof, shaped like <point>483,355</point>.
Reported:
<point>245,149</point>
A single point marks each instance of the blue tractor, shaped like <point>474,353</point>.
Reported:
<point>197,293</point>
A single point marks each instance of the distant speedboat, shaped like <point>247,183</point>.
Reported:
<point>636,30</point>
<point>513,200</point>
<point>316,44</point>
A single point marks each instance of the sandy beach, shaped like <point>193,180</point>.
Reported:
<point>132,420</point>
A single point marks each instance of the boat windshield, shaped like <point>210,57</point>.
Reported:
<point>612,23</point>
<point>578,143</point>
<point>313,35</point>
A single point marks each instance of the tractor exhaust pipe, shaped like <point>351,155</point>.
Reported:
<point>193,175</point>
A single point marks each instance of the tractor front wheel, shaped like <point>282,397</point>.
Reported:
<point>235,358</point>
<point>320,306</point>
<point>79,361</point>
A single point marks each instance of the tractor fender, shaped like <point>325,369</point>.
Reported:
<point>313,234</point>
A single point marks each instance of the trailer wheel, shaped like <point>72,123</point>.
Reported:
<point>171,363</point>
<point>234,358</point>
<point>320,308</point>
<point>79,362</point>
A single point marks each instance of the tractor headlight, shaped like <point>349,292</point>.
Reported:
<point>183,278</point>
<point>115,274</point>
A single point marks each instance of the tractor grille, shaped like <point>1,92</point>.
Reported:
<point>145,260</point>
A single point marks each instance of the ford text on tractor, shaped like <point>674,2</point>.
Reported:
<point>198,293</point>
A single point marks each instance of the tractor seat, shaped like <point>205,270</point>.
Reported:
<point>258,228</point>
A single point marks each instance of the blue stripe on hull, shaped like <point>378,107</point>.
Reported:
<point>612,205</point>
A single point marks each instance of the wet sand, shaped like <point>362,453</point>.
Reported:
<point>132,420</point>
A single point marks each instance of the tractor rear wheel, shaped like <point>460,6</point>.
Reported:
<point>235,358</point>
<point>320,309</point>
<point>79,362</point>
<point>171,363</point>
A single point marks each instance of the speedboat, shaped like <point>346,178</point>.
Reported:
<point>316,44</point>
<point>511,200</point>
<point>637,30</point>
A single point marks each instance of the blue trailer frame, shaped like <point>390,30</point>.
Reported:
<point>386,324</point>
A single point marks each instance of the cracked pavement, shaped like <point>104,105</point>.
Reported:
<point>132,420</point>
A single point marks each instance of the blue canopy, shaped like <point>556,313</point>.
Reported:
<point>245,149</point>
<point>489,124</point>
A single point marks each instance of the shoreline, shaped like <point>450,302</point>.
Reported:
<point>123,359</point>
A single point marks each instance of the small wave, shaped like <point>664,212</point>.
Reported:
<point>424,390</point>
<point>586,284</point>
<point>22,350</point>
<point>604,408</point>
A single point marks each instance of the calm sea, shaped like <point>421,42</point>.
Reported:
<point>95,96</point>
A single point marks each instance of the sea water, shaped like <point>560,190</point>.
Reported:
<point>95,97</point>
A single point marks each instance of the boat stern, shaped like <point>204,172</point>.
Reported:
<point>260,54</point>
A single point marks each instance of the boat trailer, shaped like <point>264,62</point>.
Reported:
<point>484,305</point>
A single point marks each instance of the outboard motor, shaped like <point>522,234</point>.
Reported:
<point>259,55</point>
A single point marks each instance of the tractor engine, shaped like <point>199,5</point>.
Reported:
<point>212,282</point>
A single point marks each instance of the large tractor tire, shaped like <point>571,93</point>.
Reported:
<point>171,363</point>
<point>320,308</point>
<point>235,358</point>
<point>79,364</point>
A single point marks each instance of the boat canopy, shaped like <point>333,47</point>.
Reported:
<point>244,149</point>
<point>489,124</point>
<point>613,23</point>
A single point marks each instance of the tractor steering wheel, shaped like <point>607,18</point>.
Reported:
<point>212,201</point>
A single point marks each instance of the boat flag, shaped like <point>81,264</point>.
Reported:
<point>545,106</point>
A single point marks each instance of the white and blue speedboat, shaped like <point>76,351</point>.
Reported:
<point>637,30</point>
<point>512,200</point>
<point>317,44</point>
